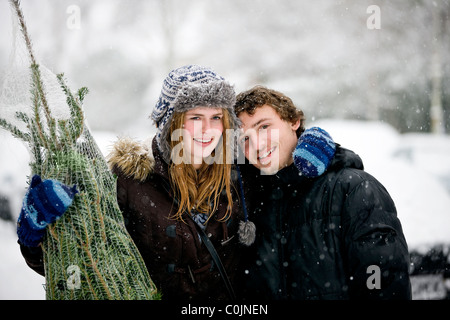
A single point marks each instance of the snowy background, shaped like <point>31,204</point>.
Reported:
<point>371,89</point>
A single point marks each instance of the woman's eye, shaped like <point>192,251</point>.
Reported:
<point>217,118</point>
<point>244,139</point>
<point>264,127</point>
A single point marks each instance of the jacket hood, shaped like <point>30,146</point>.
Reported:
<point>345,158</point>
<point>132,158</point>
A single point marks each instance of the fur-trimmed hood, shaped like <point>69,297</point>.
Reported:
<point>133,158</point>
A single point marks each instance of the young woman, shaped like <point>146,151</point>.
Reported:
<point>186,180</point>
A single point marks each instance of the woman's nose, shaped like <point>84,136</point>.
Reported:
<point>206,125</point>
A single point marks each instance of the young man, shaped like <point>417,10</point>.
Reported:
<point>332,236</point>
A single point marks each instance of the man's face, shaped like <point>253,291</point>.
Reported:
<point>267,140</point>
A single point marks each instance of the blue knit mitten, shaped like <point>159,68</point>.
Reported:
<point>44,203</point>
<point>314,151</point>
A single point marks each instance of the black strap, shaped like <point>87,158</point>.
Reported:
<point>209,245</point>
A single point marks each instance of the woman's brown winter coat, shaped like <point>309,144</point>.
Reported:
<point>178,263</point>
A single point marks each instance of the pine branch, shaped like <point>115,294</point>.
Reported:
<point>76,112</point>
<point>41,103</point>
<point>23,27</point>
<point>14,130</point>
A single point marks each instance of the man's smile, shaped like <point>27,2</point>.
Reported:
<point>264,158</point>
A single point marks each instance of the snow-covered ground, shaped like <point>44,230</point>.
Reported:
<point>414,168</point>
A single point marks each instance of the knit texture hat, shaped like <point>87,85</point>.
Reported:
<point>314,151</point>
<point>186,88</point>
<point>44,203</point>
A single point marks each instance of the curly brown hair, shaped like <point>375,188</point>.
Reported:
<point>258,96</point>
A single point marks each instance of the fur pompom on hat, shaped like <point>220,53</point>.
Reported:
<point>186,88</point>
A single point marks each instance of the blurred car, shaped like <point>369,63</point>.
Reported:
<point>5,209</point>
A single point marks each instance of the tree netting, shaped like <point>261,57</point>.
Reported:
<point>88,254</point>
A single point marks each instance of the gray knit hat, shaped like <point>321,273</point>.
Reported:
<point>186,88</point>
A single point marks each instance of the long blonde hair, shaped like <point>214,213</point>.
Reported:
<point>201,188</point>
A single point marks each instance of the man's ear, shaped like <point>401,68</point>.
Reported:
<point>295,125</point>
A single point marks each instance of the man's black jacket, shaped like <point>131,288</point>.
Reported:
<point>332,237</point>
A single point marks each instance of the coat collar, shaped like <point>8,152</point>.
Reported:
<point>135,159</point>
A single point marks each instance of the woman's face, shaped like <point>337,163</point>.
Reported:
<point>203,130</point>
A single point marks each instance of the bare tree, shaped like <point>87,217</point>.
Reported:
<point>436,110</point>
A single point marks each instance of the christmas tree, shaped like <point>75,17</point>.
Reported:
<point>88,254</point>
